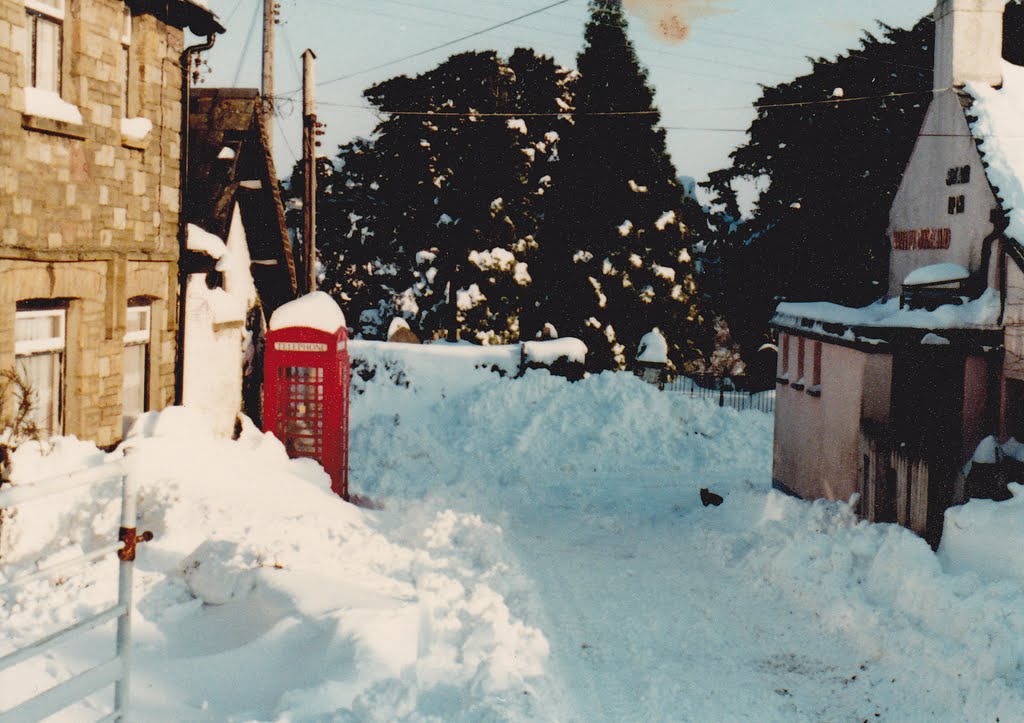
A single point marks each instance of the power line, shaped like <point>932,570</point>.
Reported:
<point>248,42</point>
<point>570,113</point>
<point>231,14</point>
<point>444,45</point>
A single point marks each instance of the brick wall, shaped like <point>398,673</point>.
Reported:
<point>87,214</point>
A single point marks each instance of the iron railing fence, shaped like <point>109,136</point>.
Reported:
<point>724,394</point>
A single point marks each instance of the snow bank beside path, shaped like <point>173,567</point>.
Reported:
<point>263,596</point>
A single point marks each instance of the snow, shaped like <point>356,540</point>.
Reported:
<point>936,274</point>
<point>202,241</point>
<point>214,344</point>
<point>316,310</point>
<point>466,299</point>
<point>998,114</point>
<point>47,104</point>
<point>625,227</point>
<point>653,348</point>
<point>517,124</point>
<point>497,259</point>
<point>664,272</point>
<point>665,219</point>
<point>986,539</point>
<point>554,350</point>
<point>541,555</point>
<point>136,128</point>
<point>521,274</point>
<point>397,323</point>
<point>236,263</point>
<point>980,313</point>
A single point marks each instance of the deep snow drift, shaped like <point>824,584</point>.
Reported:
<point>541,554</point>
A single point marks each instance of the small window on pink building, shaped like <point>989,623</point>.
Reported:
<point>801,350</point>
<point>783,377</point>
<point>815,389</point>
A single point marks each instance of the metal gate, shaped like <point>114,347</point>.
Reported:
<point>115,670</point>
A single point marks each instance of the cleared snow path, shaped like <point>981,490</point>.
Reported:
<point>648,623</point>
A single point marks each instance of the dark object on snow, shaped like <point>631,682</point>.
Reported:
<point>710,498</point>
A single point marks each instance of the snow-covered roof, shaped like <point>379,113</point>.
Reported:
<point>976,314</point>
<point>316,310</point>
<point>997,127</point>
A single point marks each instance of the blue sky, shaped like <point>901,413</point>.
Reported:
<point>705,85</point>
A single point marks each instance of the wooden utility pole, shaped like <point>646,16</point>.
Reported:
<point>310,130</point>
<point>267,88</point>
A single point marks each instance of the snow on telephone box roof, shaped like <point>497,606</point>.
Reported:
<point>316,310</point>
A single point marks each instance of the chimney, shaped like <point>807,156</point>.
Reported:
<point>968,42</point>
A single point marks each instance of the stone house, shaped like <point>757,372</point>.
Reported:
<point>90,169</point>
<point>889,402</point>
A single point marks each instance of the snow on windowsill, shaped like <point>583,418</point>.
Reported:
<point>136,128</point>
<point>47,104</point>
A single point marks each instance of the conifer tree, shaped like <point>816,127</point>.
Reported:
<point>441,211</point>
<point>622,255</point>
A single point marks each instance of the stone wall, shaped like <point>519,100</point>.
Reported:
<point>87,214</point>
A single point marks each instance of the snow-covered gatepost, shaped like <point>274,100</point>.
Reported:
<point>306,378</point>
<point>652,357</point>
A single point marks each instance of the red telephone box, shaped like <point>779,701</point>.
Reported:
<point>306,377</point>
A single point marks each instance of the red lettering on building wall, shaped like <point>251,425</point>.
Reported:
<point>921,239</point>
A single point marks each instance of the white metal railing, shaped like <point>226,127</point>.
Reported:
<point>116,670</point>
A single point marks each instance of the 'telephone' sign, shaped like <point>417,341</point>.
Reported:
<point>299,346</point>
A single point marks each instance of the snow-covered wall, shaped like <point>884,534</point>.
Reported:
<point>214,347</point>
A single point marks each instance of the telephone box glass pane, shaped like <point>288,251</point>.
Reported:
<point>301,412</point>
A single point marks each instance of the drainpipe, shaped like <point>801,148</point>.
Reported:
<point>999,224</point>
<point>186,64</point>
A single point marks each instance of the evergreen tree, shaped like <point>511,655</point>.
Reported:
<point>441,210</point>
<point>617,243</point>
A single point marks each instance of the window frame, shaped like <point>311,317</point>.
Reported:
<point>53,345</point>
<point>815,386</point>
<point>801,350</point>
<point>137,338</point>
<point>37,11</point>
<point>126,54</point>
